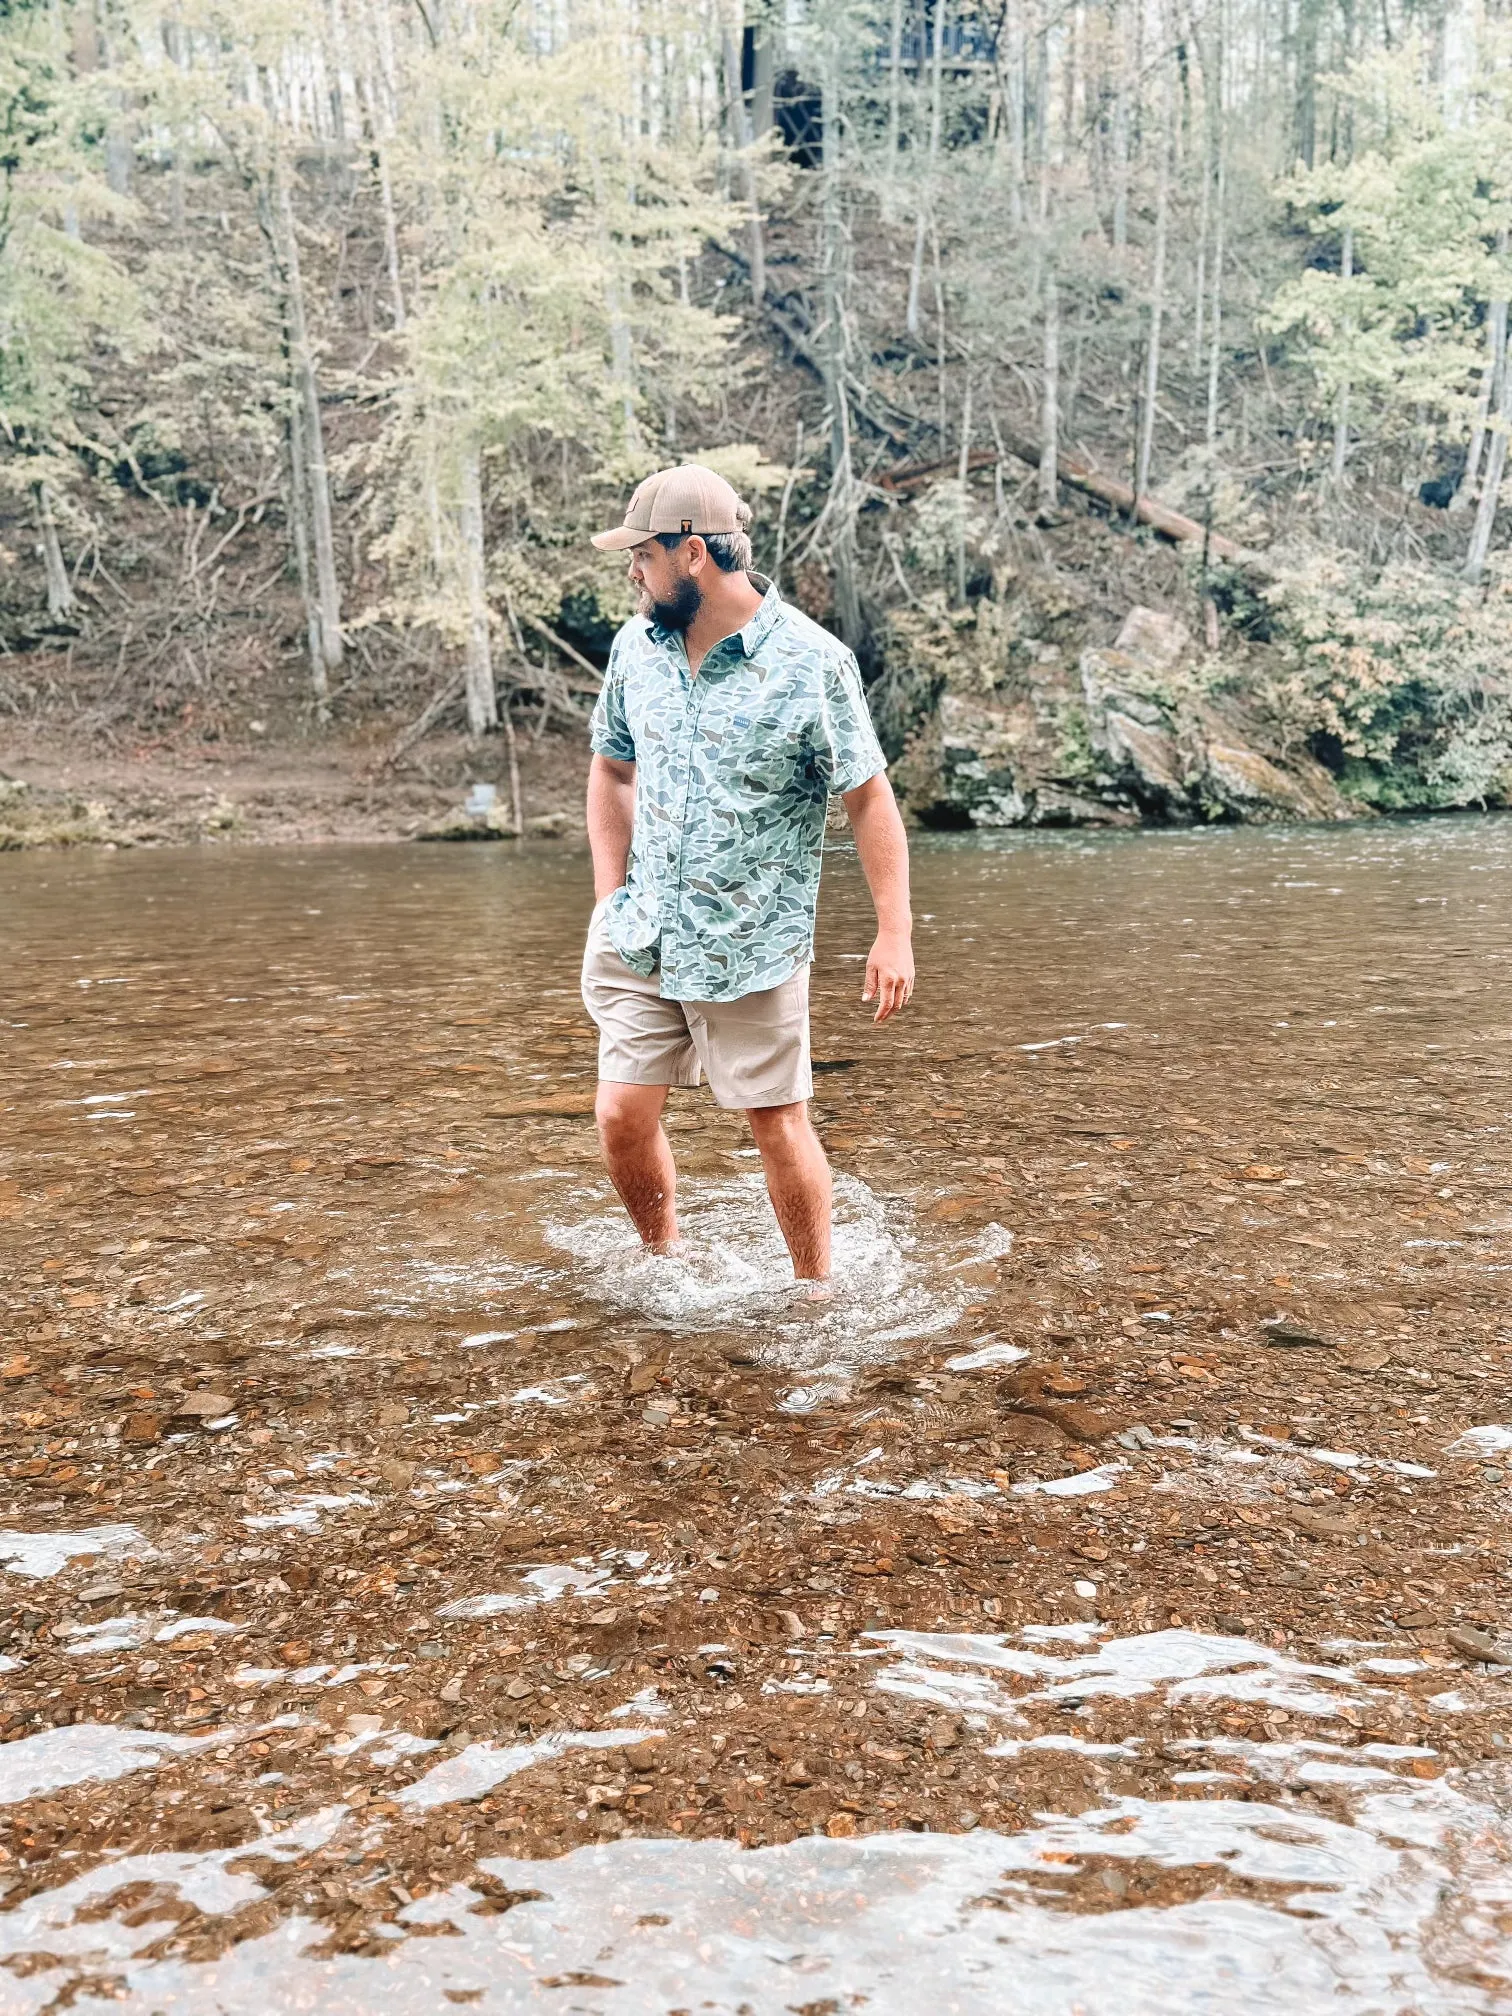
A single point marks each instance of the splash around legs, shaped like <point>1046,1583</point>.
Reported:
<point>638,1157</point>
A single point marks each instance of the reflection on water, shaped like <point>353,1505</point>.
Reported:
<point>1388,1904</point>
<point>304,1139</point>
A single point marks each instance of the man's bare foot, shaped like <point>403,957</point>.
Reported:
<point>664,1249</point>
<point>814,1291</point>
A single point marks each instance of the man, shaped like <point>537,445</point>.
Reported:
<point>726,721</point>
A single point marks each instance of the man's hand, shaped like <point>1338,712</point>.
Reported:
<point>889,973</point>
<point>883,847</point>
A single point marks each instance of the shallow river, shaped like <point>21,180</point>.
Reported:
<point>328,1107</point>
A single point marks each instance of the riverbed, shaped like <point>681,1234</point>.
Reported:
<point>418,1596</point>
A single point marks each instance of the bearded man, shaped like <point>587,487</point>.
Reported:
<point>727,721</point>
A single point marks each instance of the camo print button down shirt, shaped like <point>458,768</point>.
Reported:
<point>733,769</point>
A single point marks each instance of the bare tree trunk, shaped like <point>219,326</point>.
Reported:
<point>482,702</point>
<point>740,136</point>
<point>512,750</point>
<point>1199,288</point>
<point>1341,409</point>
<point>1305,104</point>
<point>60,595</point>
<point>963,474</point>
<point>895,87</point>
<point>832,260</point>
<point>763,111</point>
<point>1157,300</point>
<point>378,127</point>
<point>1496,345</point>
<point>621,347</point>
<point>1050,393</point>
<point>1018,142</point>
<point>1215,319</point>
<point>1120,139</point>
<point>307,391</point>
<point>926,193</point>
<point>299,533</point>
<point>1496,458</point>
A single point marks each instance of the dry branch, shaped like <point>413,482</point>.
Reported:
<point>1093,483</point>
<point>440,700</point>
<point>569,651</point>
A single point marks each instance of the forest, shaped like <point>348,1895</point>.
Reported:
<point>1124,380</point>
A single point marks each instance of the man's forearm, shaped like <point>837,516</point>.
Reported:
<point>883,847</point>
<point>611,822</point>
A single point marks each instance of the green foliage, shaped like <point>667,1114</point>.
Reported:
<point>1400,681</point>
<point>64,303</point>
<point>1422,200</point>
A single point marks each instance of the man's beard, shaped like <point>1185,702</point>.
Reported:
<point>680,611</point>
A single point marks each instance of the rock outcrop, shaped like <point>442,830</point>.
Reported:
<point>1127,741</point>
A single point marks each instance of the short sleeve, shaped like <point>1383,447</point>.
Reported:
<point>609,731</point>
<point>846,749</point>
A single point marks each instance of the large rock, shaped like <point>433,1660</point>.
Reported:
<point>1131,739</point>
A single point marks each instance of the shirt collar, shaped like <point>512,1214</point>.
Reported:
<point>754,633</point>
<point>766,618</point>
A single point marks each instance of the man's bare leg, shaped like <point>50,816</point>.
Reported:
<point>639,1158</point>
<point>798,1183</point>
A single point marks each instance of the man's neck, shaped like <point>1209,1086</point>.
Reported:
<point>727,607</point>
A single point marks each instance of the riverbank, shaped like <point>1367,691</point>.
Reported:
<point>336,789</point>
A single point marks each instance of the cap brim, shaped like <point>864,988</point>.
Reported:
<point>620,539</point>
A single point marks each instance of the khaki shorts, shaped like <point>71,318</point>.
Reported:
<point>755,1050</point>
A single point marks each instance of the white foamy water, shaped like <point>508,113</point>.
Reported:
<point>475,1771</point>
<point>1492,1440</point>
<point>967,1670</point>
<point>1389,1904</point>
<point>304,1514</point>
<point>84,1752</point>
<point>542,1585</point>
<point>734,1269</point>
<point>990,1354</point>
<point>1388,1914</point>
<point>40,1555</point>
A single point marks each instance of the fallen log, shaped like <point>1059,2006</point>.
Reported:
<point>1092,483</point>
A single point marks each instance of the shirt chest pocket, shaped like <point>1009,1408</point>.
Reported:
<point>761,751</point>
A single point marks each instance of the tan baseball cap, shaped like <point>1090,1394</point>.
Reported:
<point>688,498</point>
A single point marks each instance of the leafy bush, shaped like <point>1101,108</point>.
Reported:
<point>1396,682</point>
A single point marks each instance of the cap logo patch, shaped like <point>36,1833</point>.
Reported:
<point>687,524</point>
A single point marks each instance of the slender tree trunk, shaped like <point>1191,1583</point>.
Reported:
<point>621,346</point>
<point>1199,289</point>
<point>1305,103</point>
<point>1341,409</point>
<point>60,594</point>
<point>299,534</point>
<point>378,128</point>
<point>832,264</point>
<point>1018,139</point>
<point>963,476</point>
<point>740,136</point>
<point>1046,482</point>
<point>1121,149</point>
<point>482,702</point>
<point>895,88</point>
<point>1157,301</point>
<point>1496,345</point>
<point>512,750</point>
<point>1215,319</point>
<point>926,192</point>
<point>1496,458</point>
<point>307,391</point>
<point>762,81</point>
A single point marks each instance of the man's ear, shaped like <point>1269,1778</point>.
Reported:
<point>696,551</point>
